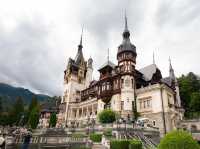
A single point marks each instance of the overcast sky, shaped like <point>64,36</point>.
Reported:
<point>38,36</point>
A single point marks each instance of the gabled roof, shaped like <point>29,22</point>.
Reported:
<point>109,64</point>
<point>148,71</point>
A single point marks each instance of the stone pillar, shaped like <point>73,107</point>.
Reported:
<point>71,113</point>
<point>77,113</point>
<point>82,112</point>
<point>92,110</point>
<point>87,112</point>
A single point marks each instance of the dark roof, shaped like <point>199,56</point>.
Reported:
<point>167,81</point>
<point>109,64</point>
<point>126,46</point>
<point>79,57</point>
<point>148,71</point>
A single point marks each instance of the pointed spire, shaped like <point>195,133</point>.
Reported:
<point>171,70</point>
<point>126,33</point>
<point>108,55</point>
<point>80,45</point>
<point>154,58</point>
<point>126,25</point>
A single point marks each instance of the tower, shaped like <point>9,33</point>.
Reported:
<point>126,57</point>
<point>174,84</point>
<point>74,79</point>
<point>89,72</point>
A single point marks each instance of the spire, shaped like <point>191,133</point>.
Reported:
<point>80,46</point>
<point>153,58</point>
<point>126,33</point>
<point>108,55</point>
<point>126,25</point>
<point>171,70</point>
<point>79,55</point>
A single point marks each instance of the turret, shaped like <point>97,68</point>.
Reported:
<point>126,57</point>
<point>126,54</point>
<point>174,84</point>
<point>89,72</point>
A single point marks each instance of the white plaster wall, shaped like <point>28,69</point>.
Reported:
<point>127,92</point>
<point>100,106</point>
<point>154,94</point>
<point>116,102</point>
<point>88,77</point>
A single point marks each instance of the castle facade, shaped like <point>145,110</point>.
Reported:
<point>120,87</point>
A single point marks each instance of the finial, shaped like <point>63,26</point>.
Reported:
<point>81,36</point>
<point>108,55</point>
<point>153,58</point>
<point>126,25</point>
<point>170,64</point>
<point>126,33</point>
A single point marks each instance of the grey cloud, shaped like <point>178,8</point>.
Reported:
<point>25,59</point>
<point>177,13</point>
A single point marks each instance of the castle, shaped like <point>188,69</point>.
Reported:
<point>122,88</point>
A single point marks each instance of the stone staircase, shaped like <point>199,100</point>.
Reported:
<point>98,146</point>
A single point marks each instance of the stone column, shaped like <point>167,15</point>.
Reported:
<point>93,113</point>
<point>82,112</point>
<point>87,112</point>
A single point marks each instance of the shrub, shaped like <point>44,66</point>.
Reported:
<point>78,135</point>
<point>96,137</point>
<point>107,116</point>
<point>178,140</point>
<point>135,144</point>
<point>119,144</point>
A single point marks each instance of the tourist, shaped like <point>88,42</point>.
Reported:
<point>2,141</point>
<point>27,139</point>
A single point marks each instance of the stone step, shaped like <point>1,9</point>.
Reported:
<point>98,146</point>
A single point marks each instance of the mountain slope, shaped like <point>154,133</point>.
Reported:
<point>9,93</point>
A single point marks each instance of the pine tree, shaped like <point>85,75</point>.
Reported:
<point>53,120</point>
<point>34,118</point>
<point>17,111</point>
<point>33,104</point>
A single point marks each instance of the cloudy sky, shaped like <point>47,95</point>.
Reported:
<point>38,36</point>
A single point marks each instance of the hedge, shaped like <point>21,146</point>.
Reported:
<point>178,139</point>
<point>96,137</point>
<point>135,144</point>
<point>119,144</point>
<point>78,135</point>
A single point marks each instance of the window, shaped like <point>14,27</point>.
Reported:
<point>148,103</point>
<point>122,105</point>
<point>122,82</point>
<point>127,99</point>
<point>132,83</point>
<point>140,104</point>
<point>154,123</point>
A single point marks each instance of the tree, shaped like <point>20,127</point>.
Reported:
<point>189,84</point>
<point>53,120</point>
<point>34,118</point>
<point>17,111</point>
<point>195,101</point>
<point>33,104</point>
<point>178,140</point>
<point>107,116</point>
